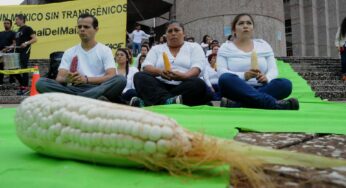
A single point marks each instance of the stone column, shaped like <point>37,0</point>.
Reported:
<point>323,29</point>
<point>333,19</point>
<point>298,29</point>
<point>310,28</point>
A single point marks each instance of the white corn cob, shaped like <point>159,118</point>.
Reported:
<point>73,127</point>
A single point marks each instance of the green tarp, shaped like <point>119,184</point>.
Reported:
<point>21,167</point>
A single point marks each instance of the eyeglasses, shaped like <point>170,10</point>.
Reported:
<point>84,26</point>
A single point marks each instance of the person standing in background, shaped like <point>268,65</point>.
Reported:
<point>25,37</point>
<point>340,40</point>
<point>7,39</point>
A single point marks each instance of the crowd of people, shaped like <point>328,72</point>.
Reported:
<point>19,42</point>
<point>196,74</point>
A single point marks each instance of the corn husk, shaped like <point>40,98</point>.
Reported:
<point>254,60</point>
<point>166,62</point>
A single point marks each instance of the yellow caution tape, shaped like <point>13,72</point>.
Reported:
<point>18,71</point>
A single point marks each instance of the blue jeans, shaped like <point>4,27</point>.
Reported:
<point>234,88</point>
<point>136,48</point>
<point>216,96</point>
<point>111,88</point>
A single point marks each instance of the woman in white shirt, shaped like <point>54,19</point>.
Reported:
<point>244,85</point>
<point>180,84</point>
<point>340,40</point>
<point>122,59</point>
<point>205,42</point>
<point>213,76</point>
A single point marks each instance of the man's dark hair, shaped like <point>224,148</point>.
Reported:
<point>343,28</point>
<point>8,20</point>
<point>21,17</point>
<point>87,15</point>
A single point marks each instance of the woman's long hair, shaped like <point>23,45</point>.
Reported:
<point>343,28</point>
<point>127,61</point>
<point>139,66</point>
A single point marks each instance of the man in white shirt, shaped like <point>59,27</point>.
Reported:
<point>87,69</point>
<point>137,35</point>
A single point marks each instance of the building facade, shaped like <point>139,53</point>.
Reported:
<point>214,17</point>
<point>311,26</point>
<point>292,27</point>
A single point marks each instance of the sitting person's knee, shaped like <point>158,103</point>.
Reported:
<point>283,83</point>
<point>41,84</point>
<point>226,77</point>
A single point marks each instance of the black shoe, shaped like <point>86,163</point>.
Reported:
<point>229,103</point>
<point>289,104</point>
<point>136,102</point>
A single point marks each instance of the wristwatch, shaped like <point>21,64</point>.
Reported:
<point>26,43</point>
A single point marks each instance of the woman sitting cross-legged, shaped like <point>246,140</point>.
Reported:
<point>123,60</point>
<point>248,71</point>
<point>179,84</point>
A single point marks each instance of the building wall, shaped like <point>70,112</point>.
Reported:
<point>212,16</point>
<point>314,24</point>
<point>310,24</point>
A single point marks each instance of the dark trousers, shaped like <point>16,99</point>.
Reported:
<point>12,80</point>
<point>154,92</point>
<point>216,94</point>
<point>126,97</point>
<point>111,88</point>
<point>343,62</point>
<point>234,88</point>
<point>136,48</point>
<point>23,79</point>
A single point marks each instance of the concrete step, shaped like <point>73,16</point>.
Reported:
<point>334,70</point>
<point>11,92</point>
<point>326,82</point>
<point>317,63</point>
<point>11,99</point>
<point>7,86</point>
<point>338,100</point>
<point>296,60</point>
<point>321,77</point>
<point>320,74</point>
<point>303,66</point>
<point>329,88</point>
<point>330,94</point>
<point>313,69</point>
